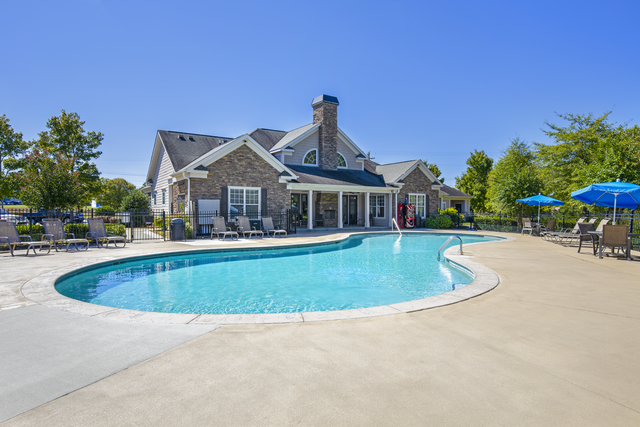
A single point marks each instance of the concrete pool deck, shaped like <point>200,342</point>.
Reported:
<point>556,343</point>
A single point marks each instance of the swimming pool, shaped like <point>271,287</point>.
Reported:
<point>365,270</point>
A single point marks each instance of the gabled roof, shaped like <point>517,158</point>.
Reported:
<point>183,151</point>
<point>294,134</point>
<point>394,173</point>
<point>314,175</point>
<point>224,149</point>
<point>267,138</point>
<point>453,192</point>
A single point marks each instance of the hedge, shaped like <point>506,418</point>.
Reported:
<point>78,230</point>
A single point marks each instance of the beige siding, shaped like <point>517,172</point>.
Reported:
<point>163,172</point>
<point>301,148</point>
<point>349,155</point>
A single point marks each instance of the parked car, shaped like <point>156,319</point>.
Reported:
<point>8,216</point>
<point>37,217</point>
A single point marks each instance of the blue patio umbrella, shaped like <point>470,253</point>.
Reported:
<point>540,200</point>
<point>610,194</point>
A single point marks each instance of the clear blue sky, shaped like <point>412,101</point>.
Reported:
<point>424,79</point>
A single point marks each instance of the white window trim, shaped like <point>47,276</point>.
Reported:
<point>305,156</point>
<point>345,162</point>
<point>376,206</point>
<point>244,204</point>
<point>164,196</point>
<point>424,202</point>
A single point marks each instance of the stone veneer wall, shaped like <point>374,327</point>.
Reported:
<point>327,114</point>
<point>418,183</point>
<point>241,168</point>
<point>326,202</point>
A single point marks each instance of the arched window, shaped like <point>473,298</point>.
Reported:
<point>311,157</point>
<point>342,163</point>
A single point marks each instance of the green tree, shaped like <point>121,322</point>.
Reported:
<point>434,170</point>
<point>50,183</point>
<point>11,146</point>
<point>515,176</point>
<point>576,146</point>
<point>136,201</point>
<point>474,180</point>
<point>114,191</point>
<point>66,136</point>
<point>616,157</point>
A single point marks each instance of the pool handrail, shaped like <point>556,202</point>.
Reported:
<point>448,240</point>
<point>396,224</point>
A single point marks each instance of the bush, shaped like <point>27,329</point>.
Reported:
<point>438,221</point>
<point>78,230</point>
<point>105,211</point>
<point>452,213</point>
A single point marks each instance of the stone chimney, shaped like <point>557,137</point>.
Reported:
<point>325,111</point>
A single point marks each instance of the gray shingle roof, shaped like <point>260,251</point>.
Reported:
<point>267,137</point>
<point>184,151</point>
<point>313,175</point>
<point>290,136</point>
<point>392,172</point>
<point>453,192</point>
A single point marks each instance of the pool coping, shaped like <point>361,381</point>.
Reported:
<point>41,290</point>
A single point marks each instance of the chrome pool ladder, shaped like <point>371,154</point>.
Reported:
<point>448,240</point>
<point>396,224</point>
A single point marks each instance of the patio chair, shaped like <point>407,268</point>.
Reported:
<point>221,230</point>
<point>267,225</point>
<point>9,236</point>
<point>98,234</point>
<point>54,232</point>
<point>526,226</point>
<point>584,235</point>
<point>244,228</point>
<point>615,236</point>
<point>596,237</point>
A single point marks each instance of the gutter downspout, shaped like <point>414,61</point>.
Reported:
<point>188,207</point>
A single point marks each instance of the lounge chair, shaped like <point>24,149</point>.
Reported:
<point>9,236</point>
<point>545,229</point>
<point>569,236</point>
<point>596,237</point>
<point>615,236</point>
<point>244,228</point>
<point>98,234</point>
<point>267,225</point>
<point>526,226</point>
<point>221,230</point>
<point>54,232</point>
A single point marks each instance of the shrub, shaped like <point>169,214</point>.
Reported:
<point>104,211</point>
<point>438,221</point>
<point>453,214</point>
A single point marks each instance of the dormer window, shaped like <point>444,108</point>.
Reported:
<point>342,163</point>
<point>311,158</point>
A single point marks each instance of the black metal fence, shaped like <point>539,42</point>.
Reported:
<point>508,222</point>
<point>154,224</point>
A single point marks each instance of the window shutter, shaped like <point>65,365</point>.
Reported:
<point>263,202</point>
<point>426,206</point>
<point>224,203</point>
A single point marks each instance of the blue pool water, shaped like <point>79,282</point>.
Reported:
<point>362,271</point>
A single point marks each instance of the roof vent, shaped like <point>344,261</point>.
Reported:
<point>181,137</point>
<point>219,142</point>
<point>191,138</point>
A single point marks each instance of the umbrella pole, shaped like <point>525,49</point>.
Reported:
<point>615,201</point>
<point>539,217</point>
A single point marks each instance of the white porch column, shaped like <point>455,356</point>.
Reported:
<point>366,210</point>
<point>390,204</point>
<point>310,208</point>
<point>394,212</point>
<point>340,224</point>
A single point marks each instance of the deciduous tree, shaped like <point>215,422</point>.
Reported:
<point>114,191</point>
<point>474,181</point>
<point>11,146</point>
<point>515,176</point>
<point>435,170</point>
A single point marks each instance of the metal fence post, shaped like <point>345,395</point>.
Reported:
<point>131,224</point>
<point>563,220</point>
<point>164,231</point>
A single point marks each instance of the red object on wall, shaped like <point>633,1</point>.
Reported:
<point>400,215</point>
<point>410,216</point>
